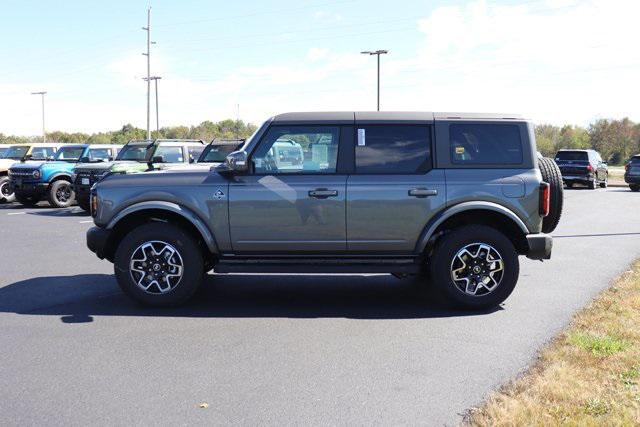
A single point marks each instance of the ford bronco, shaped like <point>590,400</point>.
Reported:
<point>135,156</point>
<point>20,153</point>
<point>454,197</point>
<point>32,180</point>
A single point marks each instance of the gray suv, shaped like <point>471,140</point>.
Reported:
<point>455,198</point>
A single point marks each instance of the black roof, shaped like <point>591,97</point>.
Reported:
<point>385,116</point>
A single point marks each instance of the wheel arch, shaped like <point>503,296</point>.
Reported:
<point>485,213</point>
<point>145,212</point>
<point>59,177</point>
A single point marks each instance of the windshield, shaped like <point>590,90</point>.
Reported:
<point>217,153</point>
<point>572,155</point>
<point>69,154</point>
<point>137,152</point>
<point>3,151</point>
<point>17,152</point>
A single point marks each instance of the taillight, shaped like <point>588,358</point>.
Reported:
<point>589,168</point>
<point>626,167</point>
<point>545,199</point>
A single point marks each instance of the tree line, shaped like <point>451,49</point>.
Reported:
<point>206,131</point>
<point>616,140</point>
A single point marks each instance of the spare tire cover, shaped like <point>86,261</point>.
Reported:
<point>552,176</point>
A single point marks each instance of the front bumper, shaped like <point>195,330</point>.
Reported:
<point>83,193</point>
<point>29,189</point>
<point>97,240</point>
<point>540,246</point>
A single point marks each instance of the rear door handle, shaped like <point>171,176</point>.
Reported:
<point>422,192</point>
<point>322,193</point>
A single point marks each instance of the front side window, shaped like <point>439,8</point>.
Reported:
<point>297,149</point>
<point>170,154</point>
<point>42,153</point>
<point>485,144</point>
<point>72,154</point>
<point>393,149</point>
<point>194,152</point>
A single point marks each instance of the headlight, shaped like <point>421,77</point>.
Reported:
<point>10,173</point>
<point>36,174</point>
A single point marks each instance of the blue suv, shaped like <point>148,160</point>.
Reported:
<point>33,181</point>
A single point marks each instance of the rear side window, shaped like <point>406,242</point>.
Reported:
<point>485,144</point>
<point>393,149</point>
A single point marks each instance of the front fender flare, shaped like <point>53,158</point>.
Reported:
<point>444,215</point>
<point>175,208</point>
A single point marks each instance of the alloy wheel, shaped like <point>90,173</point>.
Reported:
<point>477,269</point>
<point>156,267</point>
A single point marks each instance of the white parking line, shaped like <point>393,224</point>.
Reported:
<point>16,213</point>
<point>86,222</point>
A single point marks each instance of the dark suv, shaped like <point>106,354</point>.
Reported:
<point>632,173</point>
<point>456,197</point>
<point>582,167</point>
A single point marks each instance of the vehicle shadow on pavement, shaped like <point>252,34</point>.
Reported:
<point>61,212</point>
<point>77,299</point>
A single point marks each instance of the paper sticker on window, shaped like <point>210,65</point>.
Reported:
<point>361,138</point>
<point>459,150</point>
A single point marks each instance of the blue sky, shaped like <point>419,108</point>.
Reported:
<point>559,61</point>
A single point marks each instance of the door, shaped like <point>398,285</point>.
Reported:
<point>293,200</point>
<point>394,190</point>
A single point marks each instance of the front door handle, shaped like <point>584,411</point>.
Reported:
<point>322,193</point>
<point>422,192</point>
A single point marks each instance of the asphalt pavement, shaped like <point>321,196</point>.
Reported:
<point>277,349</point>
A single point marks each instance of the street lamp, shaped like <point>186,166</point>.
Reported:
<point>155,80</point>
<point>377,53</point>
<point>44,138</point>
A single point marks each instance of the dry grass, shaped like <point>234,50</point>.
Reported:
<point>589,375</point>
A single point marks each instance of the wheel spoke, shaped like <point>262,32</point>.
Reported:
<point>477,269</point>
<point>156,267</point>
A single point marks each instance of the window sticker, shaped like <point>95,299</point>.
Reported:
<point>361,138</point>
<point>459,150</point>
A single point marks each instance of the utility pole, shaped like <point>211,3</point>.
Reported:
<point>155,80</point>
<point>42,94</point>
<point>148,79</point>
<point>377,53</point>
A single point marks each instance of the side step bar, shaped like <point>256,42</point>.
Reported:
<point>318,265</point>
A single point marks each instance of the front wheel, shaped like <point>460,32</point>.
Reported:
<point>592,184</point>
<point>159,264</point>
<point>6,193</point>
<point>61,194</point>
<point>605,183</point>
<point>475,267</point>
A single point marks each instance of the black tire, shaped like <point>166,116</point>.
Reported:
<point>444,255</point>
<point>592,185</point>
<point>28,201</point>
<point>569,184</point>
<point>6,194</point>
<point>634,187</point>
<point>61,194</point>
<point>605,183</point>
<point>189,255</point>
<point>551,174</point>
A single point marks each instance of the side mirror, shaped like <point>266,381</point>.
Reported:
<point>157,159</point>
<point>110,159</point>
<point>28,157</point>
<point>236,162</point>
<point>85,159</point>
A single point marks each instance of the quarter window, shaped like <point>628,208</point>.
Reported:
<point>485,144</point>
<point>393,149</point>
<point>297,149</point>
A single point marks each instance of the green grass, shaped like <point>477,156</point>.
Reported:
<point>599,346</point>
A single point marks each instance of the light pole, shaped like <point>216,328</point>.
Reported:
<point>148,79</point>
<point>155,80</point>
<point>377,53</point>
<point>42,94</point>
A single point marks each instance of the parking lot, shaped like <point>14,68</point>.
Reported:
<point>281,348</point>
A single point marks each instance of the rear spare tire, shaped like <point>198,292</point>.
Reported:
<point>552,176</point>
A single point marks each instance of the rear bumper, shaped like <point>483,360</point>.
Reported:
<point>540,246</point>
<point>97,239</point>
<point>632,179</point>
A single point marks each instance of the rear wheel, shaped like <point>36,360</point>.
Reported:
<point>6,193</point>
<point>61,194</point>
<point>159,264</point>
<point>551,175</point>
<point>569,184</point>
<point>475,267</point>
<point>592,184</point>
<point>605,183</point>
<point>634,187</point>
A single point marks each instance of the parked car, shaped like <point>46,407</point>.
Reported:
<point>213,154</point>
<point>632,173</point>
<point>582,167</point>
<point>457,196</point>
<point>20,153</point>
<point>51,179</point>
<point>136,156</point>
